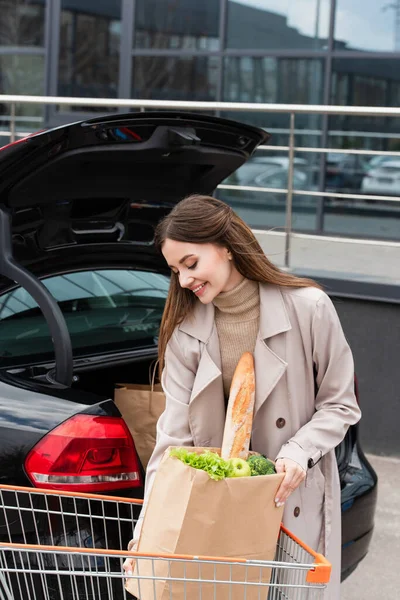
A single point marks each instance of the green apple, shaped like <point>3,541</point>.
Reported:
<point>239,468</point>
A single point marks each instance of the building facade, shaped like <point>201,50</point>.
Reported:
<point>344,52</point>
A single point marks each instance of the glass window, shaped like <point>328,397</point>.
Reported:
<point>22,22</point>
<point>266,210</point>
<point>276,80</point>
<point>22,74</point>
<point>175,78</point>
<point>286,80</point>
<point>182,24</point>
<point>365,82</point>
<point>89,49</point>
<point>105,310</point>
<point>371,25</point>
<point>259,24</point>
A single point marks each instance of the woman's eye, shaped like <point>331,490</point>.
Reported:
<point>193,266</point>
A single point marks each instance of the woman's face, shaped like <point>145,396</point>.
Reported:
<point>205,269</point>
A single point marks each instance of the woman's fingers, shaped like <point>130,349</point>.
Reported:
<point>128,566</point>
<point>294,475</point>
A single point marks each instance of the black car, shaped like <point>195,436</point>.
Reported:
<point>82,293</point>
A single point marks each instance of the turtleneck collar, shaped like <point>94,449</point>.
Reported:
<point>243,300</point>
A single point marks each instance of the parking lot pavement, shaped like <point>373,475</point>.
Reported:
<point>378,575</point>
<point>354,260</point>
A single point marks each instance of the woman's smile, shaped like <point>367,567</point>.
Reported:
<point>204,269</point>
<point>199,290</point>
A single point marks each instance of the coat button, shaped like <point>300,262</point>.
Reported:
<point>296,511</point>
<point>280,423</point>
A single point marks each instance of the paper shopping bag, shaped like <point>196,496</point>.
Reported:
<point>190,513</point>
<point>141,407</point>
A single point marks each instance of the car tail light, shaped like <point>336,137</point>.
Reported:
<point>87,453</point>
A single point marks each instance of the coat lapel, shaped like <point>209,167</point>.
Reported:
<point>269,369</point>
<point>269,365</point>
<point>207,399</point>
<point>207,404</point>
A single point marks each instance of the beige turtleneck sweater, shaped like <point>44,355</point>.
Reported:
<point>237,318</point>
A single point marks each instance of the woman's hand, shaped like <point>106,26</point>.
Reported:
<point>294,475</point>
<point>128,566</point>
<point>129,563</point>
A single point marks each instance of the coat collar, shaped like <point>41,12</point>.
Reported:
<point>274,318</point>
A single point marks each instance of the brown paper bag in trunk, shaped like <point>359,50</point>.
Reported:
<point>190,513</point>
<point>141,406</point>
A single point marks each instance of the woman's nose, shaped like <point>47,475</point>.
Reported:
<point>186,281</point>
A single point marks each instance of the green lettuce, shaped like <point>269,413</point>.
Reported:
<point>210,462</point>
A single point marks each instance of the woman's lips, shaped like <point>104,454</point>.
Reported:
<point>199,292</point>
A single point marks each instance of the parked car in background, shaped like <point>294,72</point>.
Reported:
<point>383,180</point>
<point>82,292</point>
<point>268,172</point>
<point>254,171</point>
<point>376,161</point>
<point>278,177</point>
<point>344,172</point>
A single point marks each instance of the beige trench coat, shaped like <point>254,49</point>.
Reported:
<point>300,345</point>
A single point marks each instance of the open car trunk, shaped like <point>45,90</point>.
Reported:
<point>88,195</point>
<point>103,380</point>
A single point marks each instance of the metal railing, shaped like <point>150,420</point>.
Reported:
<point>290,109</point>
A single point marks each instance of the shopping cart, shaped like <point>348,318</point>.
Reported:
<point>67,546</point>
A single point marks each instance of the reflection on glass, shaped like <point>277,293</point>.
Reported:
<point>266,209</point>
<point>270,170</point>
<point>286,80</point>
<point>367,25</point>
<point>89,49</point>
<point>276,80</point>
<point>178,25</point>
<point>173,78</point>
<point>22,74</point>
<point>104,310</point>
<point>21,23</point>
<point>259,24</point>
<point>365,82</point>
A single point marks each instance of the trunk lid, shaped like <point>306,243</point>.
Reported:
<point>109,180</point>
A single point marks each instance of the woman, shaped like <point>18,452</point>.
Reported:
<point>226,298</point>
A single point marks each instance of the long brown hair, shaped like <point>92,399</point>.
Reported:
<point>203,220</point>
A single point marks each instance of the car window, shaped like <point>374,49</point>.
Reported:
<point>105,310</point>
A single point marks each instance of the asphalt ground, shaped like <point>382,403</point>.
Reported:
<point>378,575</point>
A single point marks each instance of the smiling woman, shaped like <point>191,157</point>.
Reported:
<point>204,269</point>
<point>226,299</point>
<point>219,259</point>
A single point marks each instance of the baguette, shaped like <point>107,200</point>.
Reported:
<point>239,415</point>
